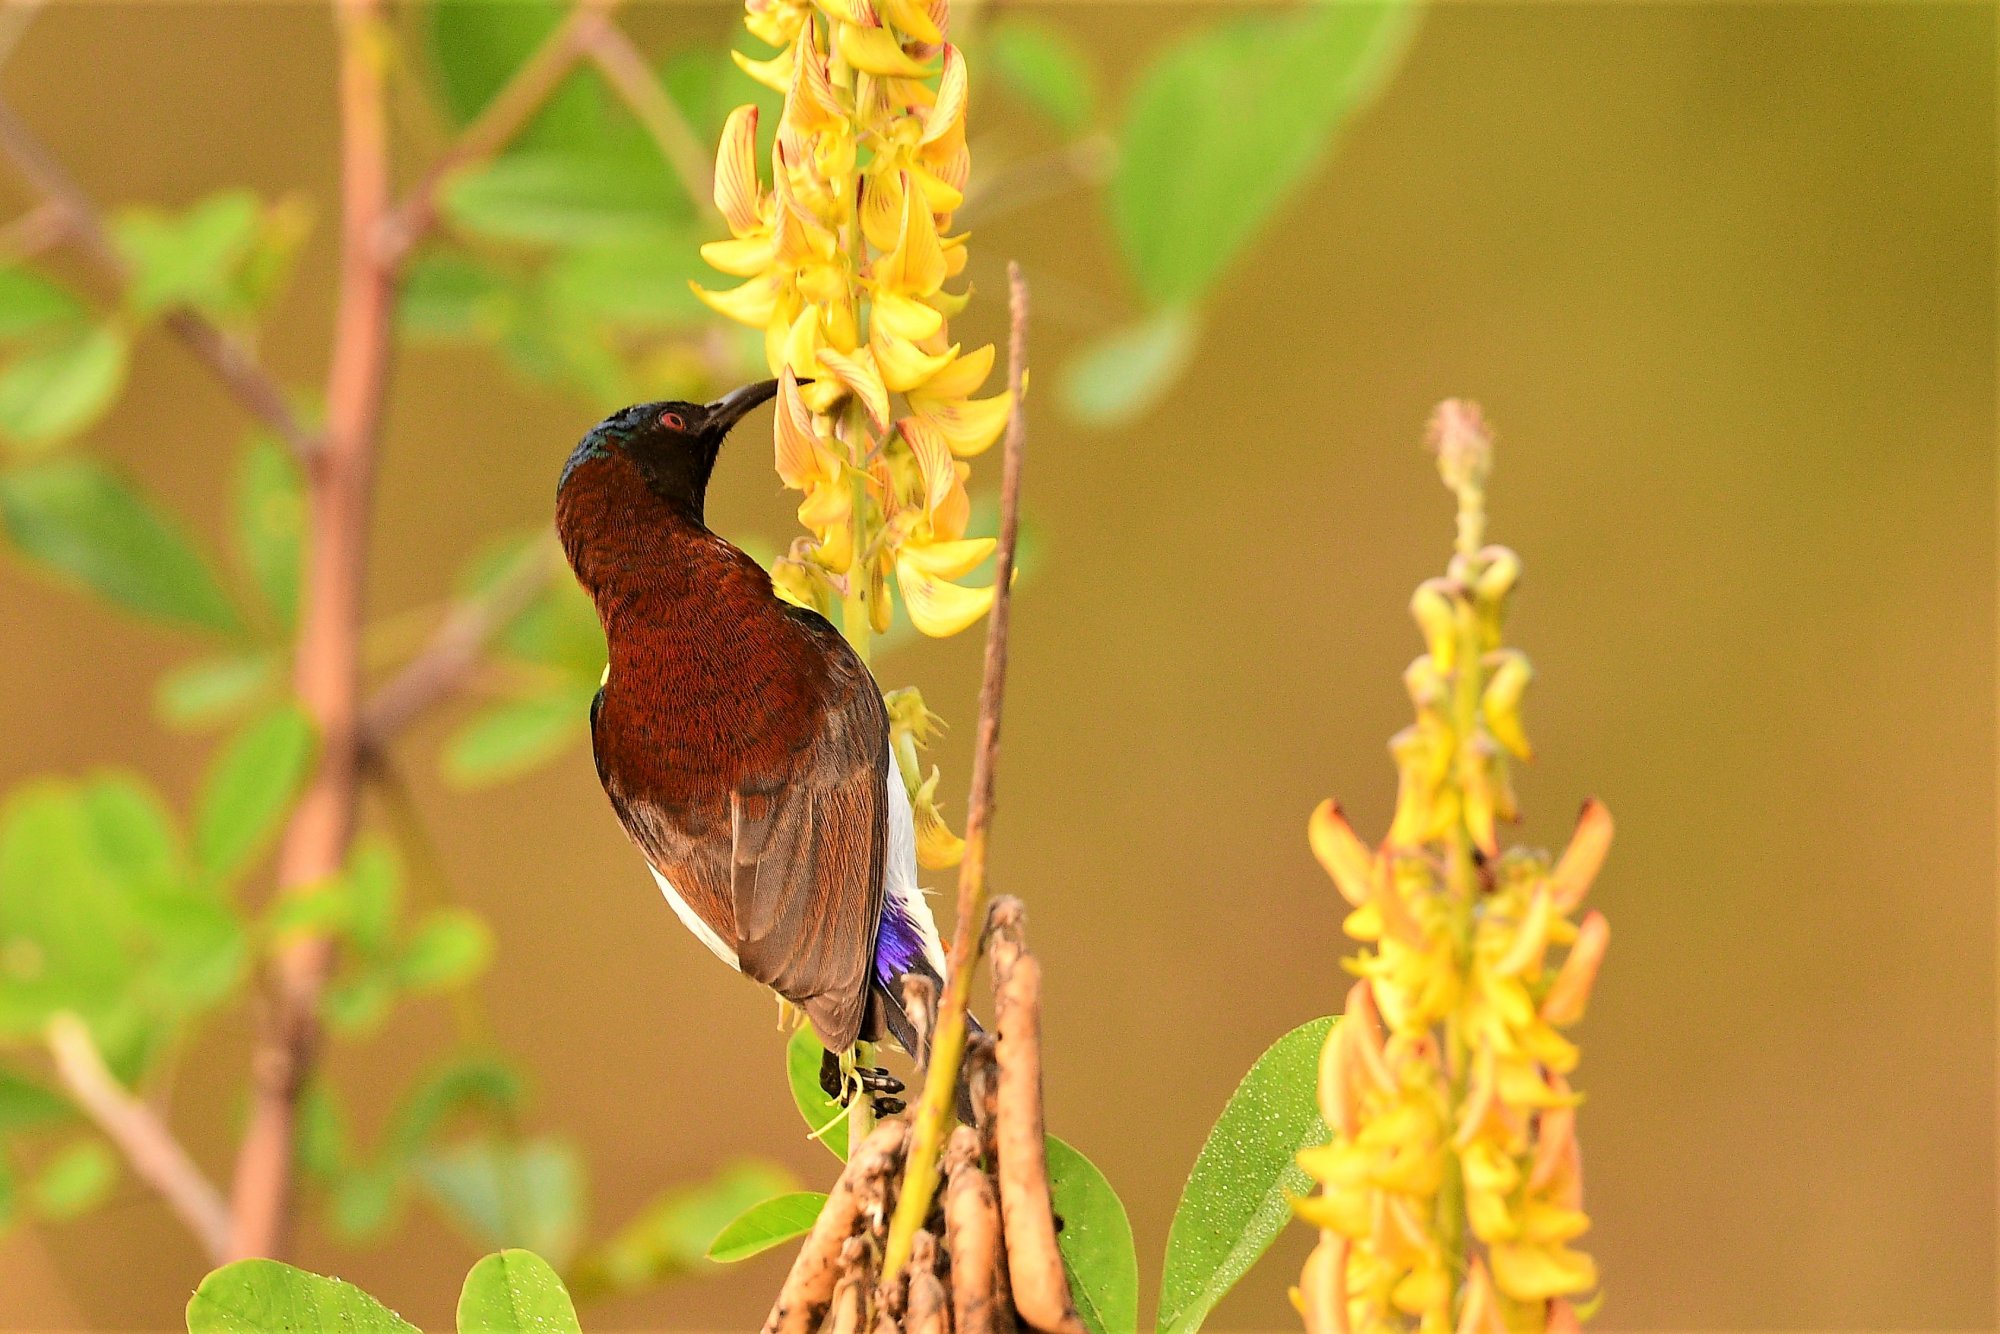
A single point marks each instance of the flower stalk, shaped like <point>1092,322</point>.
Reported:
<point>1452,1186</point>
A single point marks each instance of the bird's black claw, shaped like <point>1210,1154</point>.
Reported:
<point>879,1080</point>
<point>888,1106</point>
<point>830,1079</point>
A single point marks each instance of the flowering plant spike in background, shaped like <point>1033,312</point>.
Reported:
<point>1452,1189</point>
<point>844,258</point>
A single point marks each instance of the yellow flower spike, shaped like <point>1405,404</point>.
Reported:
<point>857,374</point>
<point>1480,1313</point>
<point>1555,1140</point>
<point>1570,992</point>
<point>738,195</point>
<point>1530,940</point>
<point>1584,856</point>
<point>1396,918</point>
<point>937,607</point>
<point>1367,1037</point>
<point>1425,1288</point>
<point>962,376</point>
<point>1348,861</point>
<point>969,426</point>
<point>1500,571</point>
<point>1500,704</point>
<point>753,303</point>
<point>1534,1273</point>
<point>877,51</point>
<point>1476,794</point>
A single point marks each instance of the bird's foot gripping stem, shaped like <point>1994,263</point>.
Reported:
<point>841,1079</point>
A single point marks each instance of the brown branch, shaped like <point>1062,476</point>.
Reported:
<point>327,674</point>
<point>455,650</point>
<point>636,85</point>
<point>1034,1262</point>
<point>808,1290</point>
<point>502,118</point>
<point>972,1231</point>
<point>934,1109</point>
<point>241,374</point>
<point>157,1158</point>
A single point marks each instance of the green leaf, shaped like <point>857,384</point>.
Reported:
<point>560,629</point>
<point>450,947</point>
<point>1123,375</point>
<point>30,303</point>
<point>248,789</point>
<point>26,1105</point>
<point>54,391</point>
<point>1046,68</point>
<point>453,1089</point>
<point>762,1226</point>
<point>566,198</point>
<point>448,295</point>
<point>214,690</point>
<point>188,260</point>
<point>75,1181</point>
<point>82,521</point>
<point>133,833</point>
<point>503,1193</point>
<point>1228,122</point>
<point>265,1297</point>
<point>640,284</point>
<point>515,736</point>
<point>673,1234</point>
<point>270,525</point>
<point>821,1113</point>
<point>477,45</point>
<point>515,1292</point>
<point>65,924</point>
<point>1235,1202</point>
<point>1095,1240</point>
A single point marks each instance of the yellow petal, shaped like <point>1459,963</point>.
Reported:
<point>937,847</point>
<point>902,364</point>
<point>826,506</point>
<point>1423,1289</point>
<point>1542,1221</point>
<point>849,11</point>
<point>741,257</point>
<point>948,560</point>
<point>916,267</point>
<point>775,73</point>
<point>1531,938</point>
<point>1583,858</point>
<point>933,458</point>
<point>802,343</point>
<point>938,608</point>
<point>900,317</point>
<point>882,208</point>
<point>751,304</point>
<point>737,192</point>
<point>798,452</point>
<point>810,102</point>
<point>877,51</point>
<point>856,372</point>
<point>913,19</point>
<point>962,376</point>
<point>1342,854</point>
<point>1534,1273</point>
<point>948,113</point>
<point>1322,1290</point>
<point>1500,703</point>
<point>1570,992</point>
<point>969,426</point>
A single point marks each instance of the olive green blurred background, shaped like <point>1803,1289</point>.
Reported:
<point>1724,278</point>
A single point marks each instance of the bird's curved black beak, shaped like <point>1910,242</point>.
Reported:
<point>726,411</point>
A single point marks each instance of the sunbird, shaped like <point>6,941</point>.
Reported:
<point>743,743</point>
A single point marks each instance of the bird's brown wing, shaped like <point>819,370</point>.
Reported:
<point>779,849</point>
<point>807,845</point>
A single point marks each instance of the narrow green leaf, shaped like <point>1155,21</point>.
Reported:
<point>1045,67</point>
<point>1123,375</point>
<point>448,296</point>
<point>248,789</point>
<point>1235,1202</point>
<point>449,947</point>
<point>515,1292</point>
<point>515,736</point>
<point>270,524</point>
<point>762,1226</point>
<point>84,522</point>
<point>1228,122</point>
<point>265,1297</point>
<point>673,1234</point>
<point>215,690</point>
<point>566,198</point>
<point>477,45</point>
<point>54,391</point>
<point>1095,1241</point>
<point>460,1086</point>
<point>75,1181</point>
<point>821,1113</point>
<point>30,303</point>
<point>505,1193</point>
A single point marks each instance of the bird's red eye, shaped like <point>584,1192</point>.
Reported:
<point>673,421</point>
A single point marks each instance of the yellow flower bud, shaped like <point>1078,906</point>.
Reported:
<point>1500,703</point>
